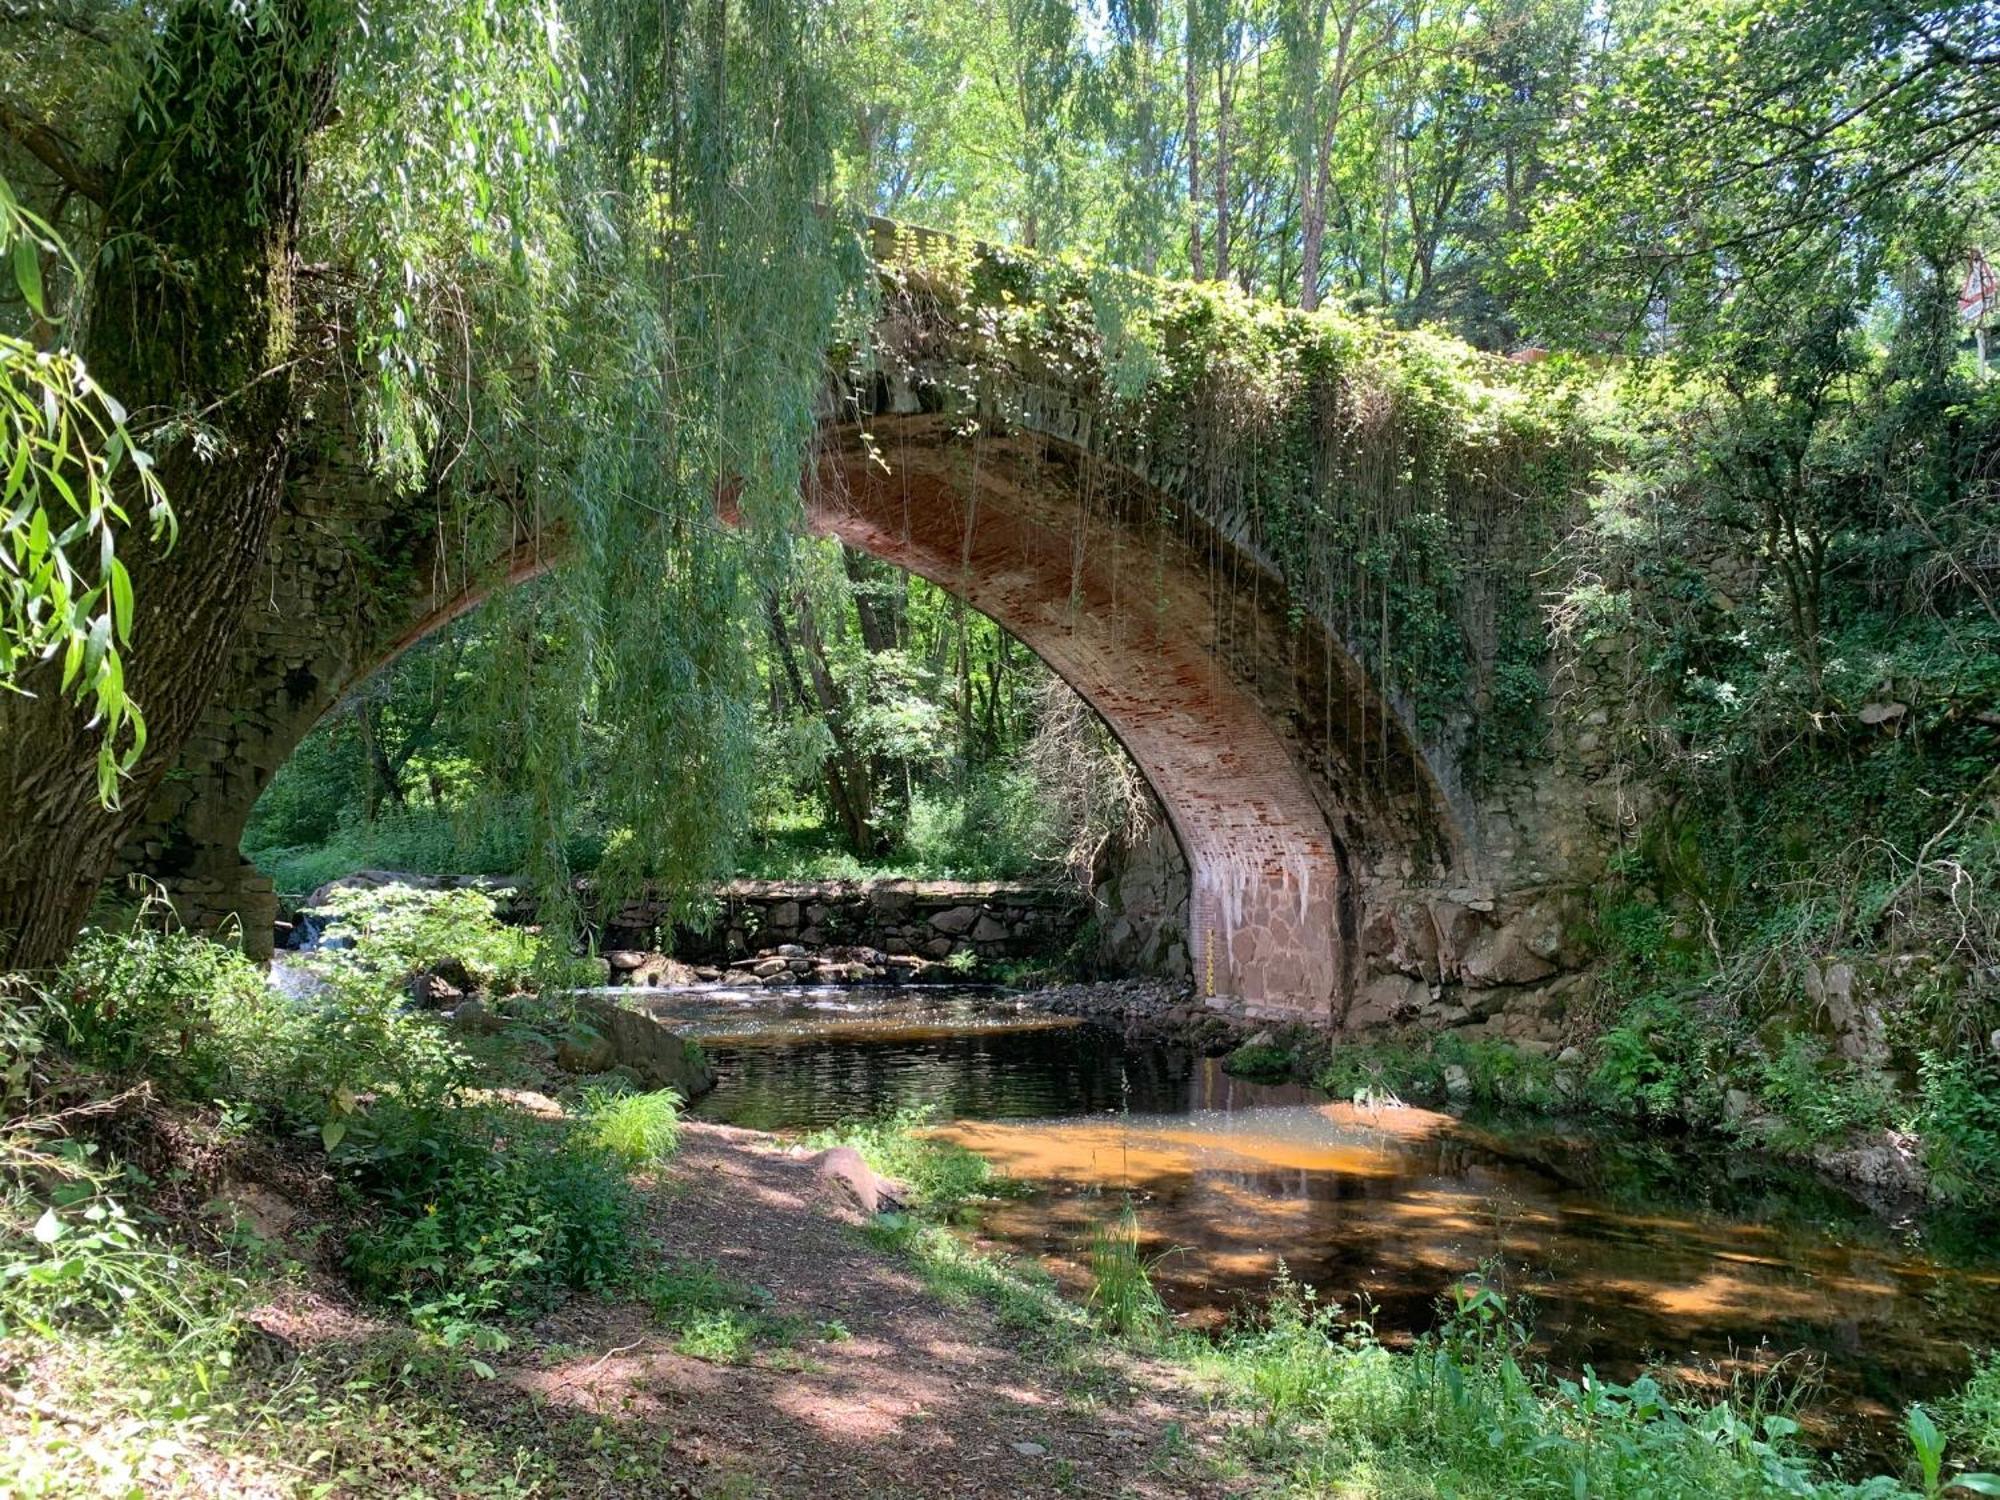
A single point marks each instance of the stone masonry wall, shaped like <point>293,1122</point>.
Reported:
<point>1142,908</point>
<point>934,919</point>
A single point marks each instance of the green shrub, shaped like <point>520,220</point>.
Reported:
<point>495,1227</point>
<point>394,931</point>
<point>637,1129</point>
<point>1958,1119</point>
<point>1260,1060</point>
<point>1818,1097</point>
<point>1382,1069</point>
<point>350,1060</point>
<point>1496,1072</point>
<point>1655,1060</point>
<point>186,1011</point>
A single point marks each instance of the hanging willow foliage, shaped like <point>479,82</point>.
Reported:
<point>555,266</point>
<point>653,337</point>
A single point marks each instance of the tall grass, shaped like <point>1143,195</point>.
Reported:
<point>1464,1415</point>
<point>640,1130</point>
<point>1122,1292</point>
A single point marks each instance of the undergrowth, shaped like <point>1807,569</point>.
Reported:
<point>457,1215</point>
<point>1465,1413</point>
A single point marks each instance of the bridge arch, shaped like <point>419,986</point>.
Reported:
<point>1323,848</point>
<point>1258,736</point>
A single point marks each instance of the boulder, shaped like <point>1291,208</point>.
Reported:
<point>844,1168</point>
<point>1386,1000</point>
<point>989,930</point>
<point>956,920</point>
<point>656,1054</point>
<point>1517,953</point>
<point>432,991</point>
<point>785,914</point>
<point>477,1017</point>
<point>585,1051</point>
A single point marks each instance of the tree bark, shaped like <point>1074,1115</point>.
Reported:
<point>200,320</point>
<point>1193,131</point>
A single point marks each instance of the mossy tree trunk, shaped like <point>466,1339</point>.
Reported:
<point>193,315</point>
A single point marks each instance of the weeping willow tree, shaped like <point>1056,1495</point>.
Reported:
<point>555,267</point>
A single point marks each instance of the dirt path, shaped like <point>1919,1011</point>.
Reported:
<point>920,1401</point>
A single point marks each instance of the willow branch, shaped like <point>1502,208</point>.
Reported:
<point>47,146</point>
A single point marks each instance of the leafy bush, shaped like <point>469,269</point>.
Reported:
<point>1958,1119</point>
<point>394,931</point>
<point>637,1129</point>
<point>1654,1060</point>
<point>1260,1060</point>
<point>1819,1098</point>
<point>186,1011</point>
<point>1496,1072</point>
<point>495,1229</point>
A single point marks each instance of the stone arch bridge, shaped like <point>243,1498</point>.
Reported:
<point>1338,869</point>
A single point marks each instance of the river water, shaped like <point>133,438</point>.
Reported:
<point>1623,1252</point>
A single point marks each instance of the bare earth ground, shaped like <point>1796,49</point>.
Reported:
<point>919,1400</point>
<point>923,1400</point>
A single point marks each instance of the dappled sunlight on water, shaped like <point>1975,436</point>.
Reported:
<point>1620,1252</point>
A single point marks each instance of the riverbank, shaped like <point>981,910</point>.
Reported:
<point>419,1256</point>
<point>792,1347</point>
<point>1789,1111</point>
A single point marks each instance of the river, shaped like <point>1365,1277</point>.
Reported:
<point>1621,1251</point>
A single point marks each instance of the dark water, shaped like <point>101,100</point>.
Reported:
<point>1713,1265</point>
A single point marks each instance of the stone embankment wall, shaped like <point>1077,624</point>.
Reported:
<point>990,920</point>
<point>932,920</point>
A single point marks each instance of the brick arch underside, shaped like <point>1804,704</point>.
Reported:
<point>1272,761</point>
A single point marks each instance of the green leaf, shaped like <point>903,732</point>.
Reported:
<point>28,274</point>
<point>121,599</point>
<point>332,1133</point>
<point>1978,1484</point>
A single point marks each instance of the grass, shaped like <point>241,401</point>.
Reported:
<point>1122,1293</point>
<point>1971,1418</point>
<point>1260,1061</point>
<point>640,1130</point>
<point>715,1317</point>
<point>943,1178</point>
<point>1463,1415</point>
<point>1325,1410</point>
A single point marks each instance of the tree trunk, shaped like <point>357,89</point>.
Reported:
<point>1193,130</point>
<point>206,179</point>
<point>1222,111</point>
